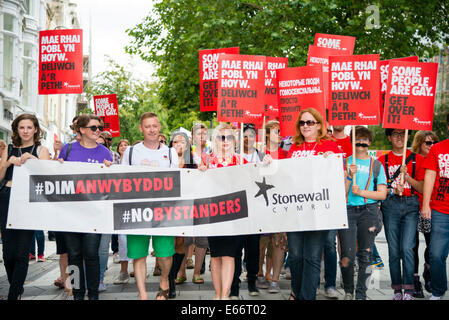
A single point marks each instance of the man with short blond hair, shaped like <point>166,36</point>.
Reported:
<point>151,152</point>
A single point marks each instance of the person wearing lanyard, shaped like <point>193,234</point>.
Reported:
<point>26,135</point>
<point>363,213</point>
<point>306,247</point>
<point>400,212</point>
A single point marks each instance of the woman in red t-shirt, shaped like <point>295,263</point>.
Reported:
<point>222,248</point>
<point>306,247</point>
<point>422,142</point>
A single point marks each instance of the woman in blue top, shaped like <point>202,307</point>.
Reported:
<point>363,213</point>
<point>82,248</point>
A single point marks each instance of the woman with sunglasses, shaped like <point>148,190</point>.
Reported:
<point>82,248</point>
<point>222,248</point>
<point>26,135</point>
<point>422,142</point>
<point>306,247</point>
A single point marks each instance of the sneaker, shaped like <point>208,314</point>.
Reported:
<point>252,290</point>
<point>102,287</point>
<point>122,278</point>
<point>261,283</point>
<point>432,297</point>
<point>234,298</point>
<point>41,258</point>
<point>397,296</point>
<point>407,296</point>
<point>417,292</point>
<point>348,296</point>
<point>31,257</point>
<point>274,287</point>
<point>378,263</point>
<point>116,258</point>
<point>331,293</point>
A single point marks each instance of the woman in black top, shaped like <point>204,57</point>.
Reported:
<point>26,145</point>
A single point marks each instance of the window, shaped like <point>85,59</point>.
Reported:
<point>8,46</point>
<point>28,65</point>
<point>29,7</point>
<point>8,22</point>
<point>9,27</point>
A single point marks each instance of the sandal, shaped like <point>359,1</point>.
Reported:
<point>59,283</point>
<point>162,293</point>
<point>197,280</point>
<point>292,296</point>
<point>180,280</point>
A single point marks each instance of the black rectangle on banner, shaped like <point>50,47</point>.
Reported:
<point>179,213</point>
<point>111,186</point>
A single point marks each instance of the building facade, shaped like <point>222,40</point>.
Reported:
<point>20,23</point>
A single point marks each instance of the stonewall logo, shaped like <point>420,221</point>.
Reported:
<point>423,123</point>
<point>285,201</point>
<point>365,117</point>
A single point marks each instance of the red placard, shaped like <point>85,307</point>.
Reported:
<point>320,56</point>
<point>241,88</point>
<point>384,77</point>
<point>61,61</point>
<point>354,90</point>
<point>333,41</point>
<point>299,88</point>
<point>410,95</point>
<point>106,107</point>
<point>271,109</point>
<point>209,77</point>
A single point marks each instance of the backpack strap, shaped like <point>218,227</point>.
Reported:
<point>169,155</point>
<point>69,147</point>
<point>412,156</point>
<point>376,171</point>
<point>130,155</point>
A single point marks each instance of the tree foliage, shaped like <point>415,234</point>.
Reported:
<point>172,34</point>
<point>134,97</point>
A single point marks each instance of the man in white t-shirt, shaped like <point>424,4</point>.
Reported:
<point>152,153</point>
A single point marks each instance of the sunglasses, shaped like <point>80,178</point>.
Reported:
<point>228,137</point>
<point>429,143</point>
<point>363,145</point>
<point>95,128</point>
<point>163,141</point>
<point>309,123</point>
<point>107,138</point>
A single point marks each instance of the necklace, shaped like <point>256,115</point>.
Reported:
<point>32,150</point>
<point>311,151</point>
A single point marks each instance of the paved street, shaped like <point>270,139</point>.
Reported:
<point>39,283</point>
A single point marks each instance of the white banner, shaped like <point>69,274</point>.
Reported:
<point>288,195</point>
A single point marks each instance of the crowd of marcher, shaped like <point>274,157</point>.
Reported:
<point>405,200</point>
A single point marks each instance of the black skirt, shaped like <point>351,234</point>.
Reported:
<point>223,246</point>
